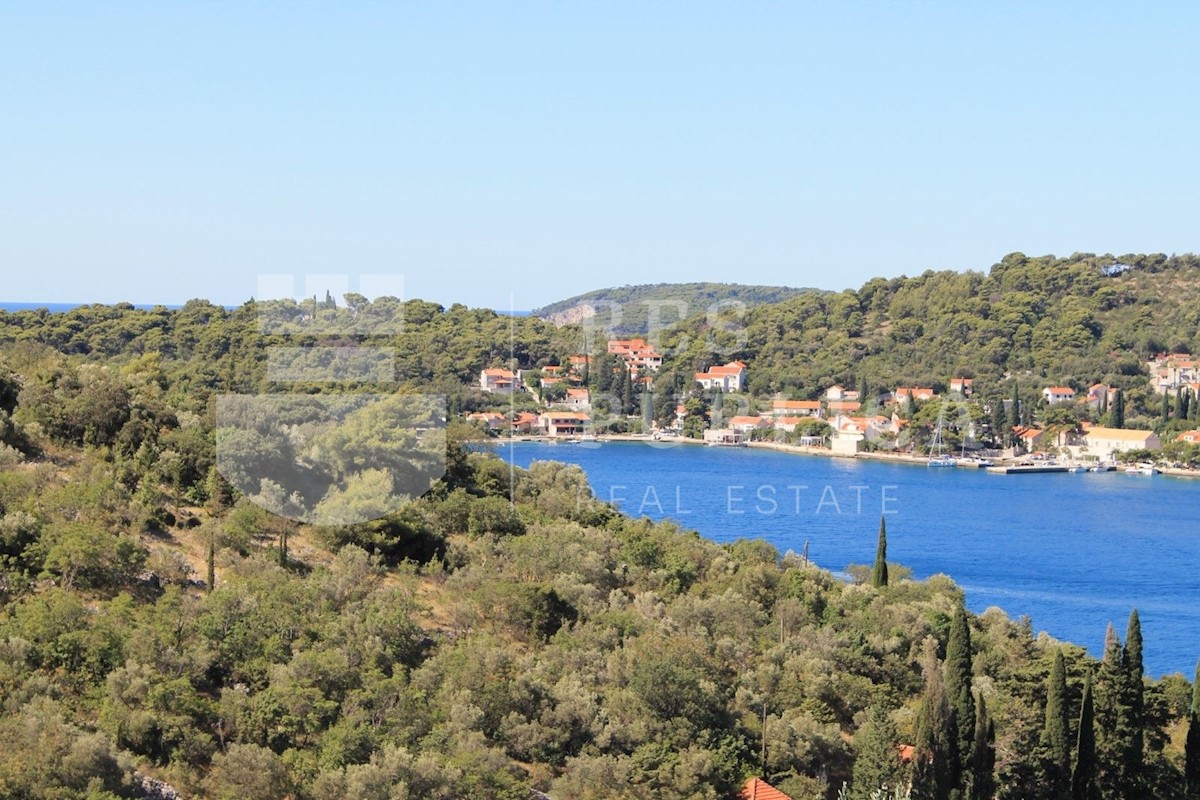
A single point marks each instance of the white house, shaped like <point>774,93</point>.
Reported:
<point>563,423</point>
<point>579,399</point>
<point>796,408</point>
<point>500,381</point>
<point>1058,394</point>
<point>728,378</point>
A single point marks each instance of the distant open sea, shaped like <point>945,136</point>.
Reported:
<point>57,308</point>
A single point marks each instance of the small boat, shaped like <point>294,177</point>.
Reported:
<point>1077,469</point>
<point>937,458</point>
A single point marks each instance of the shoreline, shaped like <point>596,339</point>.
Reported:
<point>793,449</point>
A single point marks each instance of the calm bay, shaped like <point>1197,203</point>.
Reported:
<point>1072,551</point>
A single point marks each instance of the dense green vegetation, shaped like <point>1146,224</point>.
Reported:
<point>634,310</point>
<point>1027,323</point>
<point>466,646</point>
<point>507,631</point>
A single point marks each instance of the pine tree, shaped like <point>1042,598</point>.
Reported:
<point>1056,731</point>
<point>1083,776</point>
<point>958,686</point>
<point>1191,748</point>
<point>879,575</point>
<point>877,763</point>
<point>934,767</point>
<point>983,754</point>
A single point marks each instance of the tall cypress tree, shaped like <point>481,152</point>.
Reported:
<point>1166,406</point>
<point>1014,410</point>
<point>1116,739</point>
<point>1135,704</point>
<point>879,575</point>
<point>958,686</point>
<point>1055,734</point>
<point>1083,776</point>
<point>1191,748</point>
<point>983,754</point>
<point>1118,410</point>
<point>934,767</point>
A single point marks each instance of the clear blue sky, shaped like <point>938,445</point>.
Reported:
<point>158,151</point>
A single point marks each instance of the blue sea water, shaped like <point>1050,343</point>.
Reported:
<point>1072,551</point>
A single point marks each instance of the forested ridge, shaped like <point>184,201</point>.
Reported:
<point>1067,321</point>
<point>633,310</point>
<point>154,623</point>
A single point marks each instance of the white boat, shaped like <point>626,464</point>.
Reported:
<point>938,458</point>
<point>1077,469</point>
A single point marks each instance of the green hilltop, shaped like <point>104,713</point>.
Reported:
<point>628,309</point>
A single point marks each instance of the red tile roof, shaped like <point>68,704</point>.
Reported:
<point>791,405</point>
<point>758,789</point>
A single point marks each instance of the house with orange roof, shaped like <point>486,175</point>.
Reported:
<point>745,423</point>
<point>1169,371</point>
<point>843,407</point>
<point>1189,437</point>
<point>500,381</point>
<point>525,422</point>
<point>1029,439</point>
<point>907,393</point>
<point>1058,394</point>
<point>1099,394</point>
<point>963,386</point>
<point>758,789</point>
<point>796,408</point>
<point>580,399</point>
<point>636,353</point>
<point>728,378</point>
<point>563,423</point>
<point>488,419</point>
<point>837,392</point>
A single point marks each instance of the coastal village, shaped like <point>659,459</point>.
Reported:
<point>948,424</point>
